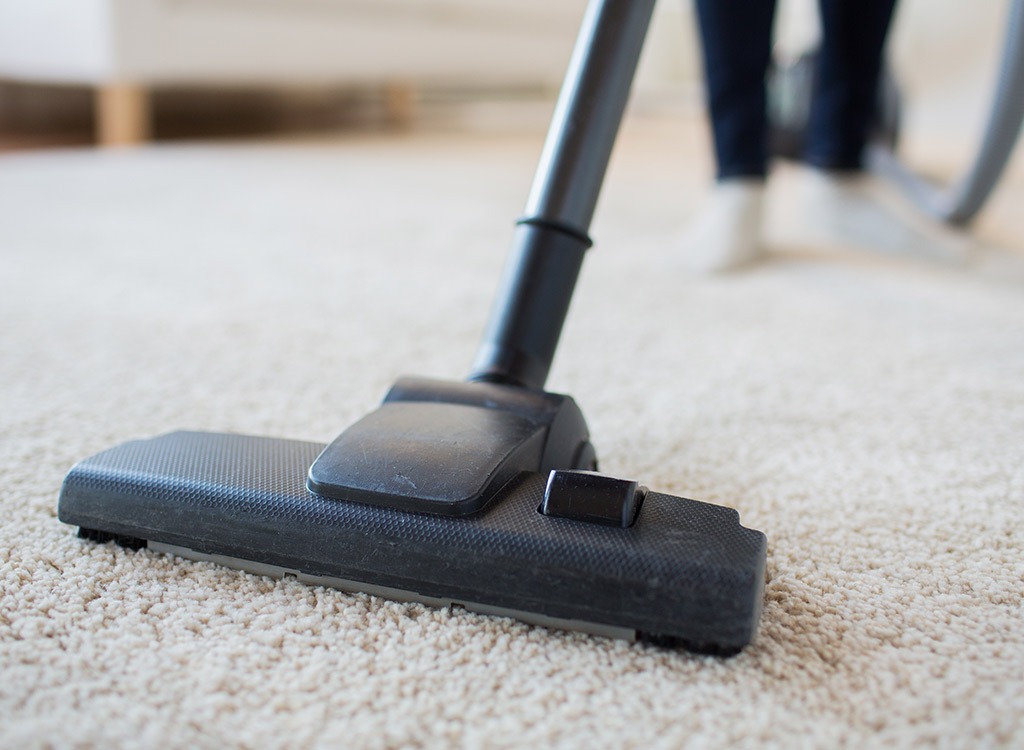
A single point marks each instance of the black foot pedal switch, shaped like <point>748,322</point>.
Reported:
<point>596,498</point>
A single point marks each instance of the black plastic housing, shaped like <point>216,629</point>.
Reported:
<point>685,573</point>
<point>441,446</point>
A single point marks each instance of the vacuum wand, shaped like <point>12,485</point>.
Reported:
<point>550,241</point>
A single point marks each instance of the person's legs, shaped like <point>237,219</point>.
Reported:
<point>846,84</point>
<point>736,42</point>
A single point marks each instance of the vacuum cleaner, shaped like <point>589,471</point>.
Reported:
<point>482,494</point>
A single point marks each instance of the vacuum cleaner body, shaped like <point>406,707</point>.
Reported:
<point>484,493</point>
<point>790,88</point>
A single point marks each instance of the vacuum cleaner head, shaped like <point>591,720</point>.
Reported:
<point>564,548</point>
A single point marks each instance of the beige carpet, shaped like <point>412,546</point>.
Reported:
<point>865,412</point>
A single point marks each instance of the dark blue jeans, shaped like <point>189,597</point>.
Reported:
<point>736,38</point>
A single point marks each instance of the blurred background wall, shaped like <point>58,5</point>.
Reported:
<point>129,70</point>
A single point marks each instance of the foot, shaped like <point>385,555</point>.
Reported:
<point>864,213</point>
<point>727,233</point>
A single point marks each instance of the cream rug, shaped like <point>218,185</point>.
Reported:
<point>865,412</point>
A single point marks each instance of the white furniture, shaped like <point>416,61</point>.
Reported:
<point>122,48</point>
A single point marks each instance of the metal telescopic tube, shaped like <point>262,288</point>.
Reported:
<point>550,241</point>
<point>588,113</point>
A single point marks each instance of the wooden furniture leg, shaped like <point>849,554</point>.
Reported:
<point>122,114</point>
<point>400,104</point>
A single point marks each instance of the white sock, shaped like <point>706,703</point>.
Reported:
<point>862,212</point>
<point>727,233</point>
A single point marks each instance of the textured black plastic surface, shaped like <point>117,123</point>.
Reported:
<point>685,572</point>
